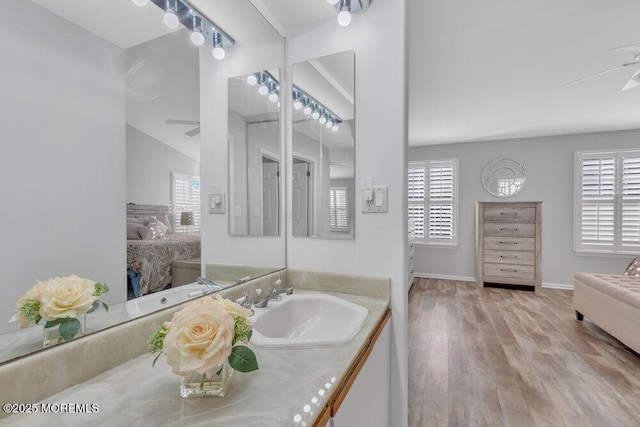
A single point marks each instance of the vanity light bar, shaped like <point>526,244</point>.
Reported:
<point>187,15</point>
<point>302,98</point>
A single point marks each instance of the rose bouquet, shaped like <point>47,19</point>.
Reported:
<point>61,302</point>
<point>203,337</point>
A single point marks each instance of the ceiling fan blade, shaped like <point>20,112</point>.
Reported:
<point>630,48</point>
<point>633,81</point>
<point>182,122</point>
<point>598,74</point>
<point>193,132</point>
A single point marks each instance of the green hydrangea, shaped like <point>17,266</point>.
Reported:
<point>30,309</point>
<point>156,339</point>
<point>241,330</point>
<point>101,288</point>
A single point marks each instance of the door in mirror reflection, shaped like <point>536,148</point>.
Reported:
<point>323,166</point>
<point>254,154</point>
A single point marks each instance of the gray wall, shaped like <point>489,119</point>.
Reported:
<point>549,165</point>
<point>149,166</point>
<point>62,202</point>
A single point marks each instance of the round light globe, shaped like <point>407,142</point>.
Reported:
<point>329,124</point>
<point>335,128</point>
<point>252,80</point>
<point>197,38</point>
<point>322,120</point>
<point>307,110</point>
<point>273,97</point>
<point>263,90</point>
<point>141,2</point>
<point>344,18</point>
<point>315,115</point>
<point>218,52</point>
<point>171,20</point>
<point>332,1</point>
<point>297,105</point>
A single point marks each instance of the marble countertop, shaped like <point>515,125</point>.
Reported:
<point>289,389</point>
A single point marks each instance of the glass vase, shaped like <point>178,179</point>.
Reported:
<point>51,336</point>
<point>214,383</point>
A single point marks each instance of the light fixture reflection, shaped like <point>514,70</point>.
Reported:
<point>218,50</point>
<point>141,2</point>
<point>344,17</point>
<point>170,18</point>
<point>197,38</point>
<point>252,79</point>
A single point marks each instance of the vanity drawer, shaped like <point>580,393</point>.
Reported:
<point>520,272</point>
<point>509,229</point>
<point>505,213</point>
<point>510,257</point>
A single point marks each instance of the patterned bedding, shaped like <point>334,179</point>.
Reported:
<point>152,259</point>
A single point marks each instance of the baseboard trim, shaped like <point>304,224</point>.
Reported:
<point>561,286</point>
<point>445,277</point>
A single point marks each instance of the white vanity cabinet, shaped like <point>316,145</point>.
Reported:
<point>362,397</point>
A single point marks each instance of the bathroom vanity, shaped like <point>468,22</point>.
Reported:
<point>293,386</point>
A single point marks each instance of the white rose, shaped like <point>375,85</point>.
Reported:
<point>235,309</point>
<point>199,338</point>
<point>69,296</point>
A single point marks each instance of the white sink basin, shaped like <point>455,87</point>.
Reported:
<point>307,320</point>
<point>153,302</point>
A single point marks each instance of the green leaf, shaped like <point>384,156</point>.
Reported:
<point>52,323</point>
<point>106,307</point>
<point>69,328</point>
<point>94,307</point>
<point>249,335</point>
<point>243,359</point>
<point>156,359</point>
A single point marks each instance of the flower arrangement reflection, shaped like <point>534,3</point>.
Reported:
<point>62,302</point>
<point>203,336</point>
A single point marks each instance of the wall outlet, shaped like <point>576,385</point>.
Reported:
<point>217,202</point>
<point>378,203</point>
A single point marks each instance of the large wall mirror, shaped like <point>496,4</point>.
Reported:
<point>254,154</point>
<point>109,104</point>
<point>323,197</point>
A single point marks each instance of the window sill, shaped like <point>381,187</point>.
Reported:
<point>436,245</point>
<point>607,254</point>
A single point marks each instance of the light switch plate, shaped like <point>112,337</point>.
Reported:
<point>217,203</point>
<point>380,202</point>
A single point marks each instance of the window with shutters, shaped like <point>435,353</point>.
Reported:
<point>185,197</point>
<point>607,201</point>
<point>338,209</point>
<point>432,202</point>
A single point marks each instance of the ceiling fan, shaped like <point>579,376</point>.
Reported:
<point>633,81</point>
<point>192,132</point>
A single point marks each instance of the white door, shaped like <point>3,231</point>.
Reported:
<point>299,199</point>
<point>269,197</point>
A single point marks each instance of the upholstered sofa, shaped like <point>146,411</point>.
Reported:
<point>612,302</point>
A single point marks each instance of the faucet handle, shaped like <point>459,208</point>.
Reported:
<point>276,297</point>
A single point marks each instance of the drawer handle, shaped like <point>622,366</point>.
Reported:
<point>512,257</point>
<point>510,270</point>
<point>504,213</point>
<point>508,243</point>
<point>508,229</point>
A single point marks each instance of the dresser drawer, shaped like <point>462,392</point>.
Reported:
<point>510,243</point>
<point>513,229</point>
<point>510,257</point>
<point>509,214</point>
<point>521,272</point>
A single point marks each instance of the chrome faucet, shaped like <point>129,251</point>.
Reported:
<point>210,284</point>
<point>274,294</point>
<point>245,302</point>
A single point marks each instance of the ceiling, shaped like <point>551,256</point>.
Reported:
<point>477,70</point>
<point>495,69</point>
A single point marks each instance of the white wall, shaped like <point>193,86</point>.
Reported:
<point>63,152</point>
<point>238,188</point>
<point>379,247</point>
<point>550,179</point>
<point>149,166</point>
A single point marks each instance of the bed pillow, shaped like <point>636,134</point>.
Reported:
<point>162,228</point>
<point>144,220</point>
<point>132,231</point>
<point>149,232</point>
<point>164,218</point>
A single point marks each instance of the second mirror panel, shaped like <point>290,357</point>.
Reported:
<point>323,169</point>
<point>254,154</point>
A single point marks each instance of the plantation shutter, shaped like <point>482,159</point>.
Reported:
<point>185,196</point>
<point>338,209</point>
<point>630,230</point>
<point>416,187</point>
<point>441,200</point>
<point>609,202</point>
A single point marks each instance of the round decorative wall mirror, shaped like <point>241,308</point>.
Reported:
<point>504,177</point>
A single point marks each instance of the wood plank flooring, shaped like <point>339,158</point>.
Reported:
<point>501,357</point>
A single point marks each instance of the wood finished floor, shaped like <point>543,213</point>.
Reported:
<point>501,357</point>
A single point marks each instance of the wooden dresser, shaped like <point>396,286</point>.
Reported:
<point>508,244</point>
